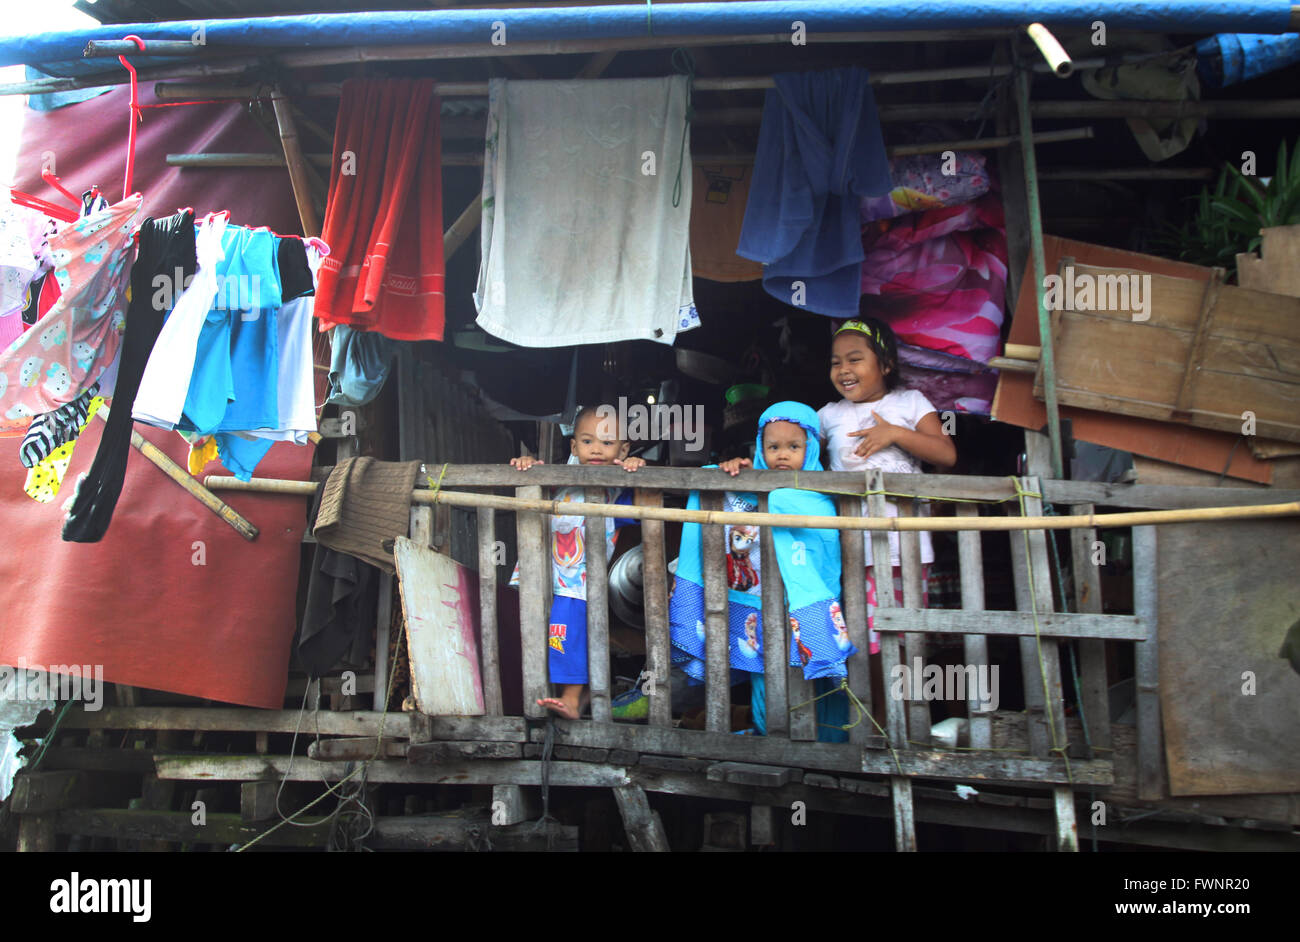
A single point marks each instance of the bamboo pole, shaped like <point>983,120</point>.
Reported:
<point>293,156</point>
<point>182,477</point>
<point>900,524</point>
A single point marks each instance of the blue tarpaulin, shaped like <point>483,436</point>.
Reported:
<point>60,53</point>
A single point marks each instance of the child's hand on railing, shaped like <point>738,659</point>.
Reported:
<point>630,464</point>
<point>733,466</point>
<point>525,462</point>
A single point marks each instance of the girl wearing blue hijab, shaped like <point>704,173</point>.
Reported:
<point>809,561</point>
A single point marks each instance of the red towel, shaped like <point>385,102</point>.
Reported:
<point>383,221</point>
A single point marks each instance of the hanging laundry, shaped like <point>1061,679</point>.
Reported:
<point>387,198</point>
<point>44,292</point>
<point>717,214</point>
<point>24,253</point>
<point>939,278</point>
<point>166,249</point>
<point>820,152</point>
<point>46,476</point>
<point>365,504</point>
<point>234,383</point>
<point>360,362</point>
<point>582,243</point>
<point>76,343</point>
<point>49,430</point>
<point>166,380</point>
<point>201,452</point>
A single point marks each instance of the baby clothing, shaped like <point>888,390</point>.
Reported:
<point>905,407</point>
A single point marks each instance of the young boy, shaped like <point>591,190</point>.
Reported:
<point>593,443</point>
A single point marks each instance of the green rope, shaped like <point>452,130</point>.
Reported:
<point>49,737</point>
<point>862,711</point>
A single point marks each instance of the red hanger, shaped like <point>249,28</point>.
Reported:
<point>54,181</point>
<point>19,198</point>
<point>135,115</point>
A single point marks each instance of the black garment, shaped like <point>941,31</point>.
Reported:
<point>30,315</point>
<point>295,273</point>
<point>165,246</point>
<point>341,607</point>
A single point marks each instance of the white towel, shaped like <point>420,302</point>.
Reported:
<point>581,240</point>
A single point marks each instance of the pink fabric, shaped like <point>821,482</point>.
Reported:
<point>940,277</point>
<point>898,598</point>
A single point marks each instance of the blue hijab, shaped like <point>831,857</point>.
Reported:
<point>809,561</point>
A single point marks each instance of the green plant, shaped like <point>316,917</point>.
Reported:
<point>1227,220</point>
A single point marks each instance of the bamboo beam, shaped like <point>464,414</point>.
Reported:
<point>900,524</point>
<point>293,156</point>
<point>103,48</point>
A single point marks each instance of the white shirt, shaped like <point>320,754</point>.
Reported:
<point>905,407</point>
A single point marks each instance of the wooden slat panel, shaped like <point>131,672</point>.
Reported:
<point>1094,684</point>
<point>854,598</point>
<point>895,720</point>
<point>1151,774</point>
<point>918,711</point>
<point>597,611</point>
<point>975,646</point>
<point>776,645</point>
<point>383,624</point>
<point>717,657</point>
<point>1056,625</point>
<point>487,605</point>
<point>658,642</point>
<point>533,537</point>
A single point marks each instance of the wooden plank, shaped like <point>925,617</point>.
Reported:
<point>645,831</point>
<point>243,720</point>
<point>1200,336</point>
<point>38,792</point>
<point>435,592</point>
<point>1277,267</point>
<point>1067,828</point>
<point>36,833</point>
<point>904,816</point>
<point>356,750</point>
<point>430,752</point>
<point>512,805</point>
<point>658,638</point>
<point>854,598</point>
<point>716,647</point>
<point>762,826</point>
<point>748,773</point>
<point>1227,700</point>
<point>1251,356</point>
<point>970,556</point>
<point>1159,497</point>
<point>1094,684</point>
<point>533,537</point>
<point>468,728</point>
<point>776,644</point>
<point>918,711</point>
<point>257,801</point>
<point>487,606</point>
<point>597,611</point>
<point>895,719</point>
<point>1056,625</point>
<point>234,768</point>
<point>829,756</point>
<point>1151,777</point>
<point>383,624</point>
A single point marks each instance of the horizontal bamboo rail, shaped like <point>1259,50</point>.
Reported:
<point>900,524</point>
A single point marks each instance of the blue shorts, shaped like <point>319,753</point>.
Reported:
<point>567,641</point>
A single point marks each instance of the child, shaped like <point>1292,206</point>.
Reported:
<point>809,562</point>
<point>592,444</point>
<point>879,425</point>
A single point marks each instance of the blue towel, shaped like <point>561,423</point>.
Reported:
<point>820,151</point>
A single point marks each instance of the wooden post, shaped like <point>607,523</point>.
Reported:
<point>776,646</point>
<point>297,164</point>
<point>716,631</point>
<point>487,606</point>
<point>644,830</point>
<point>900,787</point>
<point>1094,692</point>
<point>971,562</point>
<point>1151,775</point>
<point>854,605</point>
<point>918,711</point>
<point>658,642</point>
<point>534,572</point>
<point>383,637</point>
<point>597,610</point>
